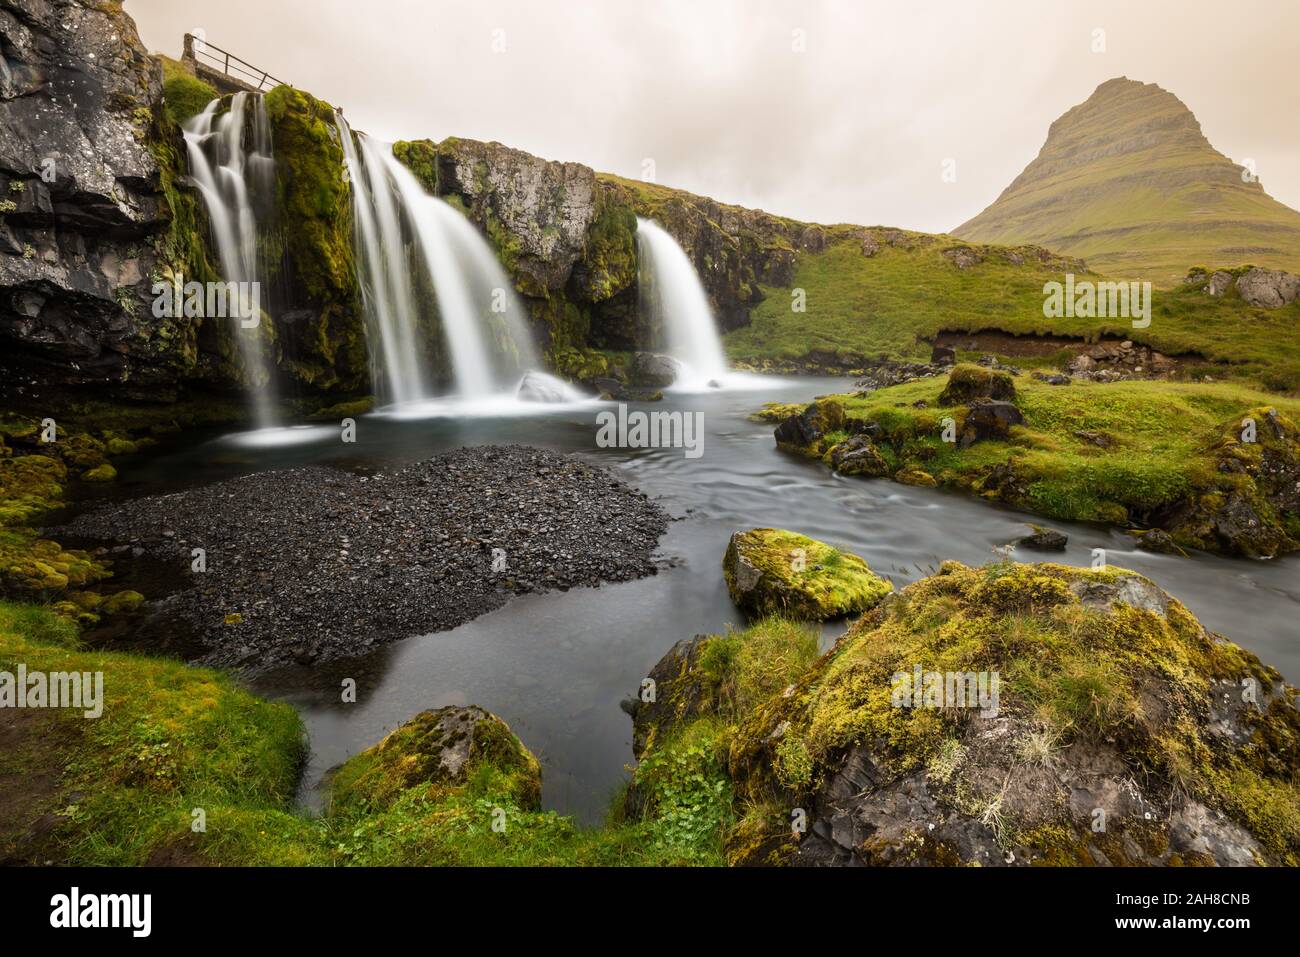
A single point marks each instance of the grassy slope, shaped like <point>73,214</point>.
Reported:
<point>1127,181</point>
<point>123,787</point>
<point>887,304</point>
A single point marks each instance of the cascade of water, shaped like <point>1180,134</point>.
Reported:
<point>482,318</point>
<point>671,290</point>
<point>231,177</point>
<point>386,293</point>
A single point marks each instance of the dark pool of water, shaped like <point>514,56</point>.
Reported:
<point>556,666</point>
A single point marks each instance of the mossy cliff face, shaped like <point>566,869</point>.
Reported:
<point>566,239</point>
<point>1119,731</point>
<point>318,318</point>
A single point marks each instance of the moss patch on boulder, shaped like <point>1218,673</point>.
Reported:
<point>772,571</point>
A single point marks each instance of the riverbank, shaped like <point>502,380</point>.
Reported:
<point>1215,466</point>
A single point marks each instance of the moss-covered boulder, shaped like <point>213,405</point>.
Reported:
<point>969,382</point>
<point>439,752</point>
<point>858,455</point>
<point>809,432</point>
<point>772,571</point>
<point>1023,714</point>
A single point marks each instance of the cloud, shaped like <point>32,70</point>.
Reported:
<point>853,129</point>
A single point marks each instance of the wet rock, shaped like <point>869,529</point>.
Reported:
<point>653,370</point>
<point>803,432</point>
<point>538,387</point>
<point>1044,539</point>
<point>857,455</point>
<point>1159,541</point>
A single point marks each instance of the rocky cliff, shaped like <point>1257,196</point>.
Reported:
<point>82,205</point>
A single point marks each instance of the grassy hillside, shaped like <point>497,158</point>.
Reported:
<point>888,304</point>
<point>1127,181</point>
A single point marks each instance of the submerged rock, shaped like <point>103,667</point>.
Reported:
<point>1044,539</point>
<point>771,571</point>
<point>653,370</point>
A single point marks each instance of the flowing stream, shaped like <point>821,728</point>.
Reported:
<point>555,666</point>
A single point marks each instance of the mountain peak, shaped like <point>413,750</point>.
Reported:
<point>1127,180</point>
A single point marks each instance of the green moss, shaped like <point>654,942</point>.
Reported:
<point>170,739</point>
<point>421,158</point>
<point>772,571</point>
<point>1090,676</point>
<point>184,94</point>
<point>100,473</point>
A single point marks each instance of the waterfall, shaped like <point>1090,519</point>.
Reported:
<point>671,290</point>
<point>482,319</point>
<point>387,297</point>
<point>234,178</point>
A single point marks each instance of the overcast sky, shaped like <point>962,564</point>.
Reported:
<point>824,111</point>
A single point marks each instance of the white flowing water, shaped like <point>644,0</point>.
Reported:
<point>397,346</point>
<point>233,177</point>
<point>671,290</point>
<point>482,319</point>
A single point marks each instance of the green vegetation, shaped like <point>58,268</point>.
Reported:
<point>1135,452</point>
<point>123,788</point>
<point>184,94</point>
<point>1132,676</point>
<point>1158,199</point>
<point>891,304</point>
<point>773,571</point>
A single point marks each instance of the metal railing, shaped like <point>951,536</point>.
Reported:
<point>225,62</point>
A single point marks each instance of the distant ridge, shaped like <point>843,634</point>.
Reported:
<point>1127,181</point>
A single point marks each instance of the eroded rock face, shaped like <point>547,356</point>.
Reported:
<point>80,199</point>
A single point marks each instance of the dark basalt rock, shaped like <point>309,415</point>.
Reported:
<point>986,419</point>
<point>857,455</point>
<point>653,371</point>
<point>803,432</point>
<point>78,104</point>
<point>967,383</point>
<point>1044,539</point>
